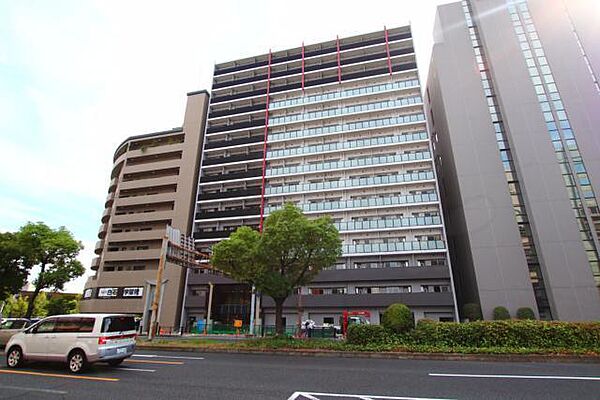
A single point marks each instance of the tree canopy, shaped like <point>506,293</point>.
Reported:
<point>13,268</point>
<point>55,252</point>
<point>289,253</point>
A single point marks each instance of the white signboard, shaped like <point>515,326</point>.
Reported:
<point>107,292</point>
<point>133,291</point>
<point>87,293</point>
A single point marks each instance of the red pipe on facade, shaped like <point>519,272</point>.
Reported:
<point>302,67</point>
<point>264,165</point>
<point>387,49</point>
<point>338,60</point>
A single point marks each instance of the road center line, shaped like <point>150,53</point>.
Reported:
<point>30,389</point>
<point>173,357</point>
<point>154,362</point>
<point>571,378</point>
<point>88,378</point>
<point>135,369</point>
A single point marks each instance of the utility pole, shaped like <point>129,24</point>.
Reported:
<point>161,267</point>
<point>210,297</point>
<point>252,306</point>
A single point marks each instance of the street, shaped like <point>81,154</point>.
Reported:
<point>171,375</point>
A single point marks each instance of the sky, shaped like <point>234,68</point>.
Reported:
<point>78,77</point>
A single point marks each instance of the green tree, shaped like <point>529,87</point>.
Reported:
<point>289,253</point>
<point>15,307</point>
<point>63,305</point>
<point>54,252</point>
<point>40,306</point>
<point>13,271</point>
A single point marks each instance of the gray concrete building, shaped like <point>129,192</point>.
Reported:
<point>151,186</point>
<point>339,129</point>
<point>513,102</point>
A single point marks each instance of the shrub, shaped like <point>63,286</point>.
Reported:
<point>398,318</point>
<point>525,313</point>
<point>501,313</point>
<point>510,333</point>
<point>472,311</point>
<point>363,335</point>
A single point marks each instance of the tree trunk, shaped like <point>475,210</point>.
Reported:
<point>31,304</point>
<point>279,316</point>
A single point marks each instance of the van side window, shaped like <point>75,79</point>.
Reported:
<point>72,325</point>
<point>46,326</point>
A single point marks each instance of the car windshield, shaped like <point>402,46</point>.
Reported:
<point>118,324</point>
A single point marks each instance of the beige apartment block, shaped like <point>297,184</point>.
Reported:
<point>150,188</point>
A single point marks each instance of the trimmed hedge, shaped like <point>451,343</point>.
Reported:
<point>363,335</point>
<point>501,313</point>
<point>472,311</point>
<point>398,318</point>
<point>525,313</point>
<point>523,334</point>
<point>511,334</point>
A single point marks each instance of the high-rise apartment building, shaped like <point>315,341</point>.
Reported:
<point>152,186</point>
<point>337,128</point>
<point>513,100</point>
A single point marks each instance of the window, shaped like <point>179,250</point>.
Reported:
<point>118,324</point>
<point>46,326</point>
<point>328,320</point>
<point>70,325</point>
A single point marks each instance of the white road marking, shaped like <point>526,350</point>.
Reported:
<point>315,396</point>
<point>174,357</point>
<point>572,378</point>
<point>28,389</point>
<point>135,369</point>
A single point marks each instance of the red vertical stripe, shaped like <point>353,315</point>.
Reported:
<point>338,60</point>
<point>387,49</point>
<point>302,67</point>
<point>264,165</point>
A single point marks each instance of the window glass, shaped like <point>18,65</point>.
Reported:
<point>118,324</point>
<point>46,326</point>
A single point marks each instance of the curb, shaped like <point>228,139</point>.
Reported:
<point>540,358</point>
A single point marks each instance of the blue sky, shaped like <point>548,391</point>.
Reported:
<point>78,77</point>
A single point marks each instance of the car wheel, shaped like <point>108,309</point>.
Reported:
<point>14,357</point>
<point>77,361</point>
<point>114,363</point>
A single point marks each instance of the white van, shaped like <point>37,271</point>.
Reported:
<point>77,339</point>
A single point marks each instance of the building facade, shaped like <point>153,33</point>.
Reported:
<point>513,100</point>
<point>152,186</point>
<point>337,128</point>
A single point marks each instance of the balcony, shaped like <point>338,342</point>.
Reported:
<point>228,213</point>
<point>213,234</point>
<point>237,110</point>
<point>230,194</point>
<point>256,155</point>
<point>106,215</point>
<point>113,184</point>
<point>234,142</point>
<point>109,200</point>
<point>102,231</point>
<point>234,175</point>
<point>95,263</point>
<point>235,127</point>
<point>143,217</point>
<point>99,246</point>
<point>132,255</point>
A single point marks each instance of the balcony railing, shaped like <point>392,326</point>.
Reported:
<point>256,155</point>
<point>230,194</point>
<point>394,247</point>
<point>234,142</point>
<point>228,213</point>
<point>233,175</point>
<point>404,222</point>
<point>407,200</point>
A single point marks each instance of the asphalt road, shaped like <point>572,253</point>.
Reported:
<point>162,375</point>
